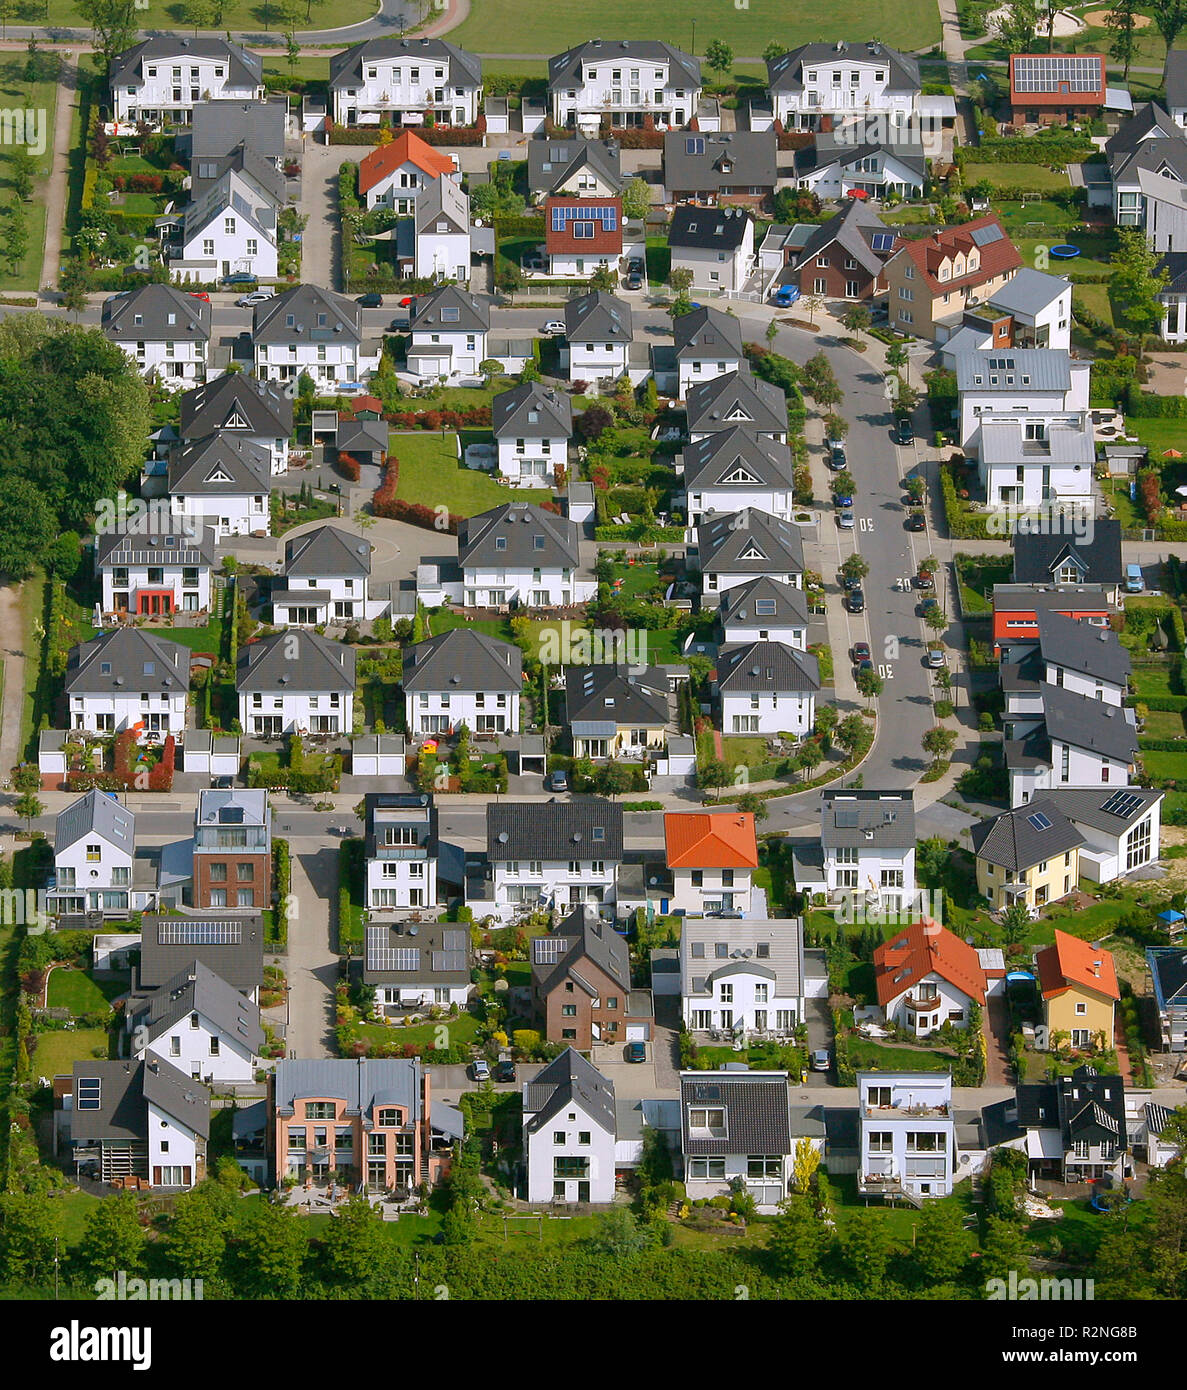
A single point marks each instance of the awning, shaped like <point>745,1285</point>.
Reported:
<point>1118,99</point>
<point>1044,1143</point>
<point>858,193</point>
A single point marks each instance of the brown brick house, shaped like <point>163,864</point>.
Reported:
<point>581,984</point>
<point>842,258</point>
<point>233,850</point>
<point>1056,88</point>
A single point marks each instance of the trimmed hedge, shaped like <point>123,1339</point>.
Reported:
<point>1148,407</point>
<point>515,226</point>
<point>1163,745</point>
<point>1039,150</point>
<point>962,524</point>
<point>282,881</point>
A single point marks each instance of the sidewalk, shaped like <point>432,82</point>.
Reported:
<point>57,189</point>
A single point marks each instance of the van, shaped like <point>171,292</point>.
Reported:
<point>1134,583</point>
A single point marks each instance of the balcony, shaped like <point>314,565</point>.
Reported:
<point>924,1004</point>
<point>401,851</point>
<point>906,1112</point>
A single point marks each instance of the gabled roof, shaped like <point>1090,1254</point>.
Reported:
<point>1175,78</point>
<point>1042,79</point>
<point>442,201</point>
<point>587,829</point>
<point>767,667</point>
<point>703,163</point>
<point>564,69</point>
<point>326,550</point>
<point>197,989</point>
<point>220,127</point>
<point>127,661</point>
<point>713,947</point>
<point>1070,963</point>
<point>737,458</point>
<point>364,1083</point>
<point>236,189</point>
<point>383,161</point>
<point>293,662</point>
<point>346,67</point>
<point>782,604</point>
<point>707,333</point>
<point>1028,293</point>
<point>518,535</point>
<point>95,813</point>
<point>462,659</point>
<point>922,949</point>
<point>1025,836</point>
<point>1092,651</point>
<point>757,1112</point>
<point>600,214</point>
<point>786,72</point>
<point>417,953</point>
<point>566,1081</point>
<point>1039,556</point>
<point>307,314</point>
<point>155,313</point>
<point>853,229</point>
<point>1111,809</point>
<point>736,398</point>
<point>1149,122</point>
<point>232,945</point>
<point>1092,1107</point>
<point>533,411</point>
<point>832,149</point>
<point>749,542</point>
<point>219,465</point>
<point>616,695</point>
<point>238,402</point>
<point>580,937</point>
<point>449,309</point>
<point>867,819</point>
<point>126,1089</point>
<point>708,229</point>
<point>599,317</point>
<point>555,161</point>
<point>244,68</point>
<point>180,547</point>
<point>710,840</point>
<point>996,253</point>
<point>1160,156</point>
<point>1089,724</point>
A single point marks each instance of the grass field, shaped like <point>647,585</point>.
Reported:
<point>1166,765</point>
<point>76,991</point>
<point>57,1053</point>
<point>40,98</point>
<point>1095,250</point>
<point>431,475</point>
<point>1036,176</point>
<point>231,14</point>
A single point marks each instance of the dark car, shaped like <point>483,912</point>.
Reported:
<point>222,783</point>
<point>916,522</point>
<point>836,457</point>
<point>636,265</point>
<point>370,301</point>
<point>880,312</point>
<point>636,1052</point>
<point>241,277</point>
<point>926,606</point>
<point>924,580</point>
<point>849,582</point>
<point>633,281</point>
<point>861,652</point>
<point>865,665</point>
<point>856,601</point>
<point>504,1071</point>
<point>903,431</point>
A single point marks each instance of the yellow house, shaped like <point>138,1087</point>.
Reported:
<point>1079,985</point>
<point>1030,855</point>
<point>617,711</point>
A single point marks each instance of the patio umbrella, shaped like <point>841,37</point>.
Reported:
<point>858,193</point>
<point>1182,491</point>
<point>1171,454</point>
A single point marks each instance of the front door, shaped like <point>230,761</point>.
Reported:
<point>583,1192</point>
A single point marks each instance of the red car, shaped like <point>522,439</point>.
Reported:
<point>861,652</point>
<point>199,294</point>
<point>406,302</point>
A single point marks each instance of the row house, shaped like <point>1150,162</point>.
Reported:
<point>744,978</point>
<point>716,245</point>
<point>736,1132</point>
<point>295,682</point>
<point>767,688</point>
<point>532,424</point>
<point>615,711</point>
<point>401,849</point>
<point>521,556</point>
<point>128,679</point>
<point>599,330</point>
<point>315,332</point>
<point>739,547</point>
<point>764,610</point>
<point>731,168</point>
<point>625,83</point>
<point>711,858</point>
<point>164,331</point>
<point>232,850</point>
<point>821,85</point>
<point>221,482</point>
<point>842,258</point>
<point>401,81</point>
<point>96,864</point>
<point>734,469</point>
<point>906,1135</point>
<point>448,331</point>
<point>397,175</point>
<point>866,851</point>
<point>708,344</point>
<point>462,677</point>
<point>162,79</point>
<point>199,1025</point>
<point>569,1132</point>
<point>581,982</point>
<point>1076,742</point>
<point>939,276</point>
<point>146,575</point>
<point>326,576</point>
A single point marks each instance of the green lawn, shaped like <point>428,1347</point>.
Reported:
<point>1036,176</point>
<point>659,259</point>
<point>443,619</point>
<point>431,474</point>
<point>76,991</point>
<point>866,1056</point>
<point>1156,680</point>
<point>57,1053</point>
<point>1095,250</point>
<point>1163,724</point>
<point>251,15</point>
<point>1166,765</point>
<point>1157,436</point>
<point>463,1030</point>
<point>743,752</point>
<point>40,100</point>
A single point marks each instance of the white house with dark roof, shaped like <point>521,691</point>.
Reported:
<point>735,469</point>
<point>520,554</point>
<point>1077,741</point>
<point>242,407</point>
<point>736,398</point>
<point>400,847</point>
<point>736,1128</point>
<point>416,964</point>
<point>201,1025</point>
<point>128,678</point>
<point>715,244</point>
<point>569,1132</point>
<point>599,330</point>
<point>568,164</point>
<point>96,867</point>
<point>326,575</point>
<point>158,573</point>
<point>765,610</point>
<point>532,425</point>
<point>843,82</point>
<point>448,333</point>
<point>223,482</point>
<point>164,331</point>
<point>462,677</point>
<point>767,688</point>
<point>399,81</point>
<point>441,233</point>
<point>1070,655</point>
<point>1121,829</point>
<point>628,82</point>
<point>708,344</point>
<point>1043,383</point>
<point>866,851</point>
<point>315,331</point>
<point>836,166</point>
<point>744,977</point>
<point>295,682</point>
<point>738,547</point>
<point>232,227</point>
<point>163,78</point>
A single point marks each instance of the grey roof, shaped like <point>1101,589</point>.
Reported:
<point>556,831</point>
<point>236,401</point>
<point>832,148</point>
<point>554,161</point>
<point>707,333</point>
<point>1149,121</point>
<point>126,1089</point>
<point>364,1083</point>
<point>416,953</point>
<point>1108,808</point>
<point>757,1112</point>
<point>307,314</point>
<point>1025,836</point>
<point>443,199</point>
<point>248,805</point>
<point>295,660</point>
<point>244,68</point>
<point>708,229</point>
<point>736,398</point>
<point>220,127</point>
<point>1154,157</point>
<point>729,944</point>
<point>1092,1107</point>
<point>786,72</point>
<point>874,819</point>
<point>518,535</point>
<point>250,1120</point>
<point>1035,597</point>
<point>435,312</point>
<point>462,659</point>
<point>564,68</point>
<point>568,1080</point>
<point>447,1119</point>
<point>95,813</point>
<point>1088,724</point>
<point>1168,969</point>
<point>619,695</point>
<point>749,542</point>
<point>346,68</point>
<point>599,317</point>
<point>1093,651</point>
<point>1000,1123</point>
<point>1175,77</point>
<point>1028,292</point>
<point>1031,751</point>
<point>197,989</point>
<point>739,605</point>
<point>757,460</point>
<point>1038,1105</point>
<point>180,547</point>
<point>327,550</point>
<point>559,955</point>
<point>219,465</point>
<point>1037,556</point>
<point>531,410</point>
<point>363,436</point>
<point>853,229</point>
<point>1014,369</point>
<point>155,313</point>
<point>232,945</point>
<point>248,186</point>
<point>126,661</point>
<point>702,163</point>
<point>766,666</point>
<point>1002,439</point>
<point>1174,263</point>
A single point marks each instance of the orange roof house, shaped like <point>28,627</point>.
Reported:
<point>710,840</point>
<point>1071,963</point>
<point>926,976</point>
<point>406,149</point>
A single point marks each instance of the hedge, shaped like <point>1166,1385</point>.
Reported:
<point>1146,406</point>
<point>962,524</point>
<point>515,226</point>
<point>1162,704</point>
<point>1162,745</point>
<point>282,875</point>
<point>1040,150</point>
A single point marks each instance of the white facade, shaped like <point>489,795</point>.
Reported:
<point>536,588</point>
<point>270,713</point>
<point>907,1133</point>
<point>226,239</point>
<point>443,254</point>
<point>229,514</point>
<point>590,361</point>
<point>718,270</point>
<point>330,363</point>
<point>95,875</point>
<point>694,370</point>
<point>877,174</point>
<point>791,711</point>
<point>400,187</point>
<point>403,872</point>
<point>406,83</point>
<point>624,89</point>
<point>440,711</point>
<point>161,713</point>
<point>189,585</point>
<point>172,1148</point>
<point>708,498</point>
<point>524,883</point>
<point>882,871</point>
<point>718,581</point>
<point>750,630</point>
<point>1043,405</point>
<point>928,1002</point>
<point>172,362</point>
<point>198,1048</point>
<point>742,996</point>
<point>530,462</point>
<point>338,599</point>
<point>173,87</point>
<point>581,1143</point>
<point>847,85</point>
<point>441,353</point>
<point>1069,767</point>
<point>711,890</point>
<point>1105,856</point>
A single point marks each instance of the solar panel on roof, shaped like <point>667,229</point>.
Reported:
<point>1039,821</point>
<point>1057,73</point>
<point>88,1093</point>
<point>231,815</point>
<point>706,1093</point>
<point>1122,804</point>
<point>984,236</point>
<point>549,949</point>
<point>180,932</point>
<point>694,145</point>
<point>448,960</point>
<point>382,956</point>
<point>883,241</point>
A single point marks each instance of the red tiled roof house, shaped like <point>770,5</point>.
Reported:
<point>941,276</point>
<point>392,175</point>
<point>926,977</point>
<point>581,234</point>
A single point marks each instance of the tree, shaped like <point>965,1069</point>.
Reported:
<point>1015,921</point>
<point>490,367</point>
<point>870,684</point>
<point>63,554</point>
<point>593,422</point>
<point>603,279</point>
<point>1003,1249</point>
<point>853,734</point>
<point>713,774</point>
<point>530,370</point>
<point>617,1234</point>
<point>199,13</point>
<point>271,1247</point>
<point>796,1239</point>
<point>772,331</point>
<point>804,1163</point>
<point>939,742</point>
<point>680,279</point>
<point>835,426</point>
<point>1169,18</point>
<point>27,526</point>
<point>753,805</point>
<point>636,198</point>
<point>844,484</point>
<point>813,304</point>
<point>773,50</point>
<point>936,619</point>
<point>112,1238</point>
<point>941,1246</point>
<point>114,24</point>
<point>1121,22</point>
<point>354,1243</point>
<point>197,1234</point>
<point>857,319</point>
<point>292,49</point>
<point>21,169</point>
<point>854,567</point>
<point>1016,26</point>
<point>866,1246</point>
<point>810,756</point>
<point>1138,281</point>
<point>720,56</point>
<point>32,61</point>
<point>29,1221</point>
<point>680,306</point>
<point>73,284</point>
<point>613,779</point>
<point>916,488</point>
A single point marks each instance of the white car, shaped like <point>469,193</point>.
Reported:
<point>255,297</point>
<point>846,521</point>
<point>553,326</point>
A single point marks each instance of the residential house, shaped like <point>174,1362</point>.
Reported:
<point>1121,829</point>
<point>616,711</point>
<point>520,555</point>
<point>327,572</point>
<point>1016,608</point>
<point>165,332</point>
<point>708,344</point>
<point>715,244</point>
<point>569,1132</point>
<point>1148,142</point>
<point>581,983</point>
<point>295,682</point>
<point>736,398</point>
<point>200,1026</point>
<point>767,688</point>
<point>314,332</point>
<point>96,864</point>
<point>220,129</point>
<point>532,425</point>
<point>242,407</point>
<point>1045,384</point>
<point>400,81</point>
<point>866,852</point>
<point>1031,310</point>
<point>564,164</point>
<point>416,965</point>
<point>623,84</point>
<point>1168,972</point>
<point>137,1119</point>
<point>222,482</point>
<point>734,167</point>
<point>448,333</point>
<point>711,857</point>
<point>736,1128</point>
<point>1078,982</point>
<point>400,845</point>
<point>582,234</point>
<point>1065,559</point>
<point>1028,856</point>
<point>765,610</point>
<point>1076,1126</point>
<point>599,330</point>
<point>836,166</point>
<point>232,225</point>
<point>231,946</point>
<point>563,854</point>
<point>734,469</point>
<point>232,863</point>
<point>396,175</point>
<point>1175,82</point>
<point>743,546</point>
<point>743,978</point>
<point>1056,88</point>
<point>162,79</point>
<point>941,275</point>
<point>462,677</point>
<point>1174,297</point>
<point>843,258</point>
<point>1028,463</point>
<point>926,976</point>
<point>150,575</point>
<point>1076,656</point>
<point>1077,741</point>
<point>906,1135</point>
<point>821,84</point>
<point>128,678</point>
<point>441,233</point>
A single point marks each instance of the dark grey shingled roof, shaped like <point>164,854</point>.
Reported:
<point>555,161</point>
<point>852,229</point>
<point>1092,1107</point>
<point>580,937</point>
<point>293,661</point>
<point>236,401</point>
<point>317,316</point>
<point>143,315</point>
<point>708,229</point>
<point>757,1119</point>
<point>436,954</point>
<point>703,163</point>
<point>512,412</point>
<point>832,148</point>
<point>873,819</point>
<point>707,333</point>
<point>1025,836</point>
<point>244,68</point>
<point>638,697</point>
<point>220,127</point>
<point>326,550</point>
<point>95,813</point>
<point>473,315</point>
<point>759,461</point>
<point>766,666</point>
<point>598,317</point>
<point>739,604</point>
<point>786,72</point>
<point>126,661</point>
<point>568,1080</point>
<point>736,398</point>
<point>462,659</point>
<point>1093,651</point>
<point>242,183</point>
<point>124,1089</point>
<point>1174,75</point>
<point>363,1083</point>
<point>180,547</point>
<point>1038,1105</point>
<point>346,68</point>
<point>219,465</point>
<point>563,68</point>
<point>587,829</point>
<point>197,989</point>
<point>749,541</point>
<point>1086,805</point>
<point>518,535</point>
<point>1000,1123</point>
<point>231,945</point>
<point>1037,557</point>
<point>1175,265</point>
<point>1089,724</point>
<point>1148,122</point>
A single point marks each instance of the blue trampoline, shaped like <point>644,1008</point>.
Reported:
<point>1065,252</point>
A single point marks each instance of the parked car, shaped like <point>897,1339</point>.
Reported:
<point>505,1071</point>
<point>636,265</point>
<point>904,433</point>
<point>557,781</point>
<point>785,296</point>
<point>480,1069</point>
<point>553,326</point>
<point>633,281</point>
<point>836,456</point>
<point>407,302</point>
<point>846,521</point>
<point>504,156</point>
<point>636,1052</point>
<point>880,312</point>
<point>936,657</point>
<point>916,522</point>
<point>820,1059</point>
<point>860,652</point>
<point>240,277</point>
<point>222,783</point>
<point>856,601</point>
<point>255,297</point>
<point>1134,582</point>
<point>842,499</point>
<point>849,582</point>
<point>865,666</point>
<point>925,580</point>
<point>369,301</point>
<point>926,606</point>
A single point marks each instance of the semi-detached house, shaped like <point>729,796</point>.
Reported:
<point>462,677</point>
<point>242,407</point>
<point>156,574</point>
<point>835,83</point>
<point>128,679</point>
<point>295,682</point>
<point>628,82</point>
<point>521,555</point>
<point>164,331</point>
<point>165,77</point>
<point>399,81</point>
<point>312,331</point>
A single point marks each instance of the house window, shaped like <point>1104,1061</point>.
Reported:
<point>319,1109</point>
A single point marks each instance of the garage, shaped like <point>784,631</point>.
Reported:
<point>638,1032</point>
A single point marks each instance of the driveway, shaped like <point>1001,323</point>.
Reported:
<point>996,1028</point>
<point>312,964</point>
